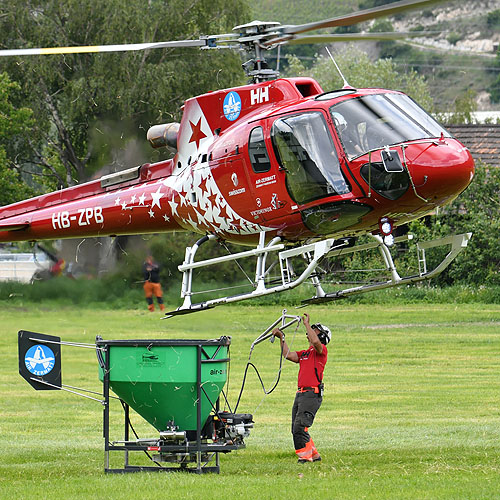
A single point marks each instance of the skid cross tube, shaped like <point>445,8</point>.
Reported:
<point>313,253</point>
<point>317,250</point>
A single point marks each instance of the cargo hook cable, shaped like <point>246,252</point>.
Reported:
<point>267,334</point>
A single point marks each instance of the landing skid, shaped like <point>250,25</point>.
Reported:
<point>312,253</point>
<point>194,308</point>
<point>458,243</point>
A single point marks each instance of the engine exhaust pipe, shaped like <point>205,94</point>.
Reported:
<point>164,135</point>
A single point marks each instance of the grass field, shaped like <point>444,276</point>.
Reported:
<point>412,407</point>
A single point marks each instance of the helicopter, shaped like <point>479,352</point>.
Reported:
<point>279,164</point>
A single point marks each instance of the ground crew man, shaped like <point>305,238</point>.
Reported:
<point>152,286</point>
<point>309,394</point>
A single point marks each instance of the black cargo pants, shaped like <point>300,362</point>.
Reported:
<point>304,410</point>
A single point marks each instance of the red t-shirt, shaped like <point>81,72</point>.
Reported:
<point>309,360</point>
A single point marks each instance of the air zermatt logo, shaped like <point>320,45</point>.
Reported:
<point>232,106</point>
<point>197,135</point>
<point>39,360</point>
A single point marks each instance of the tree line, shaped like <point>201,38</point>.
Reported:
<point>86,106</point>
<point>63,119</point>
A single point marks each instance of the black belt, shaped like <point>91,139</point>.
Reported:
<point>309,389</point>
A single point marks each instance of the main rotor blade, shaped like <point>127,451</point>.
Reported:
<point>358,17</point>
<point>353,37</point>
<point>202,42</point>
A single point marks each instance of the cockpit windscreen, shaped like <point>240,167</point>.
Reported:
<point>375,121</point>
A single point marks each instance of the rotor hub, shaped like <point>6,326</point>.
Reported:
<point>253,38</point>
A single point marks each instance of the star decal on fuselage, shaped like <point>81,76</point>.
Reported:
<point>192,199</point>
<point>156,198</point>
<point>196,133</point>
<point>173,206</point>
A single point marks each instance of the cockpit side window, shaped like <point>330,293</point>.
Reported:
<point>305,149</point>
<point>259,158</point>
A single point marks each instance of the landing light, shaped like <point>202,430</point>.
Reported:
<point>389,240</point>
<point>386,228</point>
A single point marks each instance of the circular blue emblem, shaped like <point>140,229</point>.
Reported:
<point>232,106</point>
<point>39,360</point>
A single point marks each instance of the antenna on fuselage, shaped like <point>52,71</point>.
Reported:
<point>278,59</point>
<point>346,83</point>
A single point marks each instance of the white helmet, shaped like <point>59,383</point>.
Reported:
<point>340,121</point>
<point>324,335</point>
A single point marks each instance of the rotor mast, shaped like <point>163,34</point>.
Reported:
<point>251,37</point>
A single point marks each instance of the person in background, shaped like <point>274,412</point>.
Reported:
<point>309,394</point>
<point>152,286</point>
<point>58,268</point>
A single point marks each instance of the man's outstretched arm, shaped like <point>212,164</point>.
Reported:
<point>290,355</point>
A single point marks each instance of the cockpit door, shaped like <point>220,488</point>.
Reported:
<point>265,180</point>
<point>306,152</point>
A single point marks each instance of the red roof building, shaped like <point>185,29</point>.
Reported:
<point>483,141</point>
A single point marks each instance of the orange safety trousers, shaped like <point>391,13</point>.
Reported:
<point>309,452</point>
<point>151,289</point>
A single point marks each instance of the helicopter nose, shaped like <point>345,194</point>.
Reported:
<point>441,170</point>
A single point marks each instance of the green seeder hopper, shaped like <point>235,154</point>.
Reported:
<point>173,384</point>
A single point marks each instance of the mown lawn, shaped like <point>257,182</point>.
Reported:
<point>412,407</point>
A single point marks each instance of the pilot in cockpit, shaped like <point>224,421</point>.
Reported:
<point>347,135</point>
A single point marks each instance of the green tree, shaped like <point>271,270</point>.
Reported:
<point>73,94</point>
<point>495,87</point>
<point>475,210</point>
<point>361,72</point>
<point>15,124</point>
<point>493,19</point>
<point>465,106</point>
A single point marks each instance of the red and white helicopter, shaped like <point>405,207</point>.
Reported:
<point>278,164</point>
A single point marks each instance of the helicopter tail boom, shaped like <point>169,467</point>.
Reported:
<point>102,207</point>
